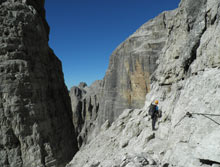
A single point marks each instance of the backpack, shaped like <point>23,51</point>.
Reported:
<point>159,113</point>
<point>152,109</point>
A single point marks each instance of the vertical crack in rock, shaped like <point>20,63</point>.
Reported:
<point>192,57</point>
<point>164,20</point>
<point>193,53</point>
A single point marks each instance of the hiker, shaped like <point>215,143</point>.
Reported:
<point>154,113</point>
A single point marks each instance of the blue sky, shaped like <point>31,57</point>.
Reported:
<point>84,33</point>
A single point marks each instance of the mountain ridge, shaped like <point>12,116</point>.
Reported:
<point>186,80</point>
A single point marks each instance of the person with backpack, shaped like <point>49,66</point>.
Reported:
<point>154,113</point>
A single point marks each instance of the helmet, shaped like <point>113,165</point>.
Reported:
<point>156,102</point>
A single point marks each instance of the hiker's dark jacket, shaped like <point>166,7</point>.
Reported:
<point>155,112</point>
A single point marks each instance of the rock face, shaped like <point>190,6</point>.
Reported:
<point>35,111</point>
<point>127,80</point>
<point>85,106</point>
<point>76,96</point>
<point>186,80</point>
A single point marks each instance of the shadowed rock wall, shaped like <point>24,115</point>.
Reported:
<point>85,107</point>
<point>35,110</point>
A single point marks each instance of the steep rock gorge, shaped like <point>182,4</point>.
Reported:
<point>186,80</point>
<point>35,111</point>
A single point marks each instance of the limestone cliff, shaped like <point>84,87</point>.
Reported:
<point>127,80</point>
<point>85,107</point>
<point>35,111</point>
<point>186,80</point>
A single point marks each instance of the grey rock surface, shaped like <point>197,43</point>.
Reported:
<point>76,96</point>
<point>85,107</point>
<point>35,112</point>
<point>179,142</point>
<point>127,80</point>
<point>186,79</point>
